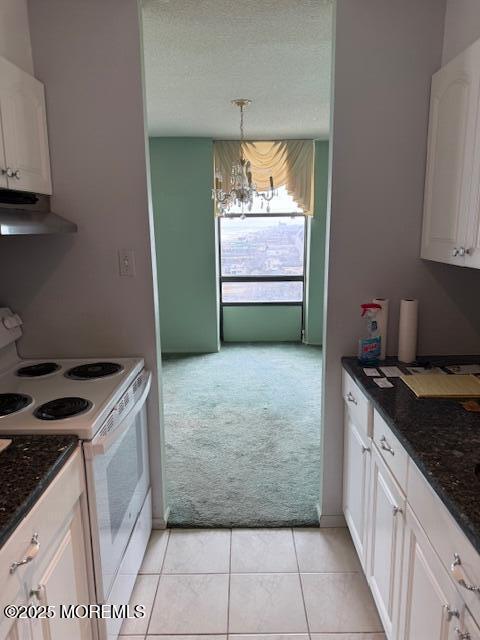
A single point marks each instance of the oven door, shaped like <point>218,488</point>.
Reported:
<point>117,482</point>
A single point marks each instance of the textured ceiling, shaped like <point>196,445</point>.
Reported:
<point>199,54</point>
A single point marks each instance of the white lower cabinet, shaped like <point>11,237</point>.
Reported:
<point>385,542</point>
<point>430,606</point>
<point>356,483</point>
<point>64,581</point>
<point>60,569</point>
<point>405,537</point>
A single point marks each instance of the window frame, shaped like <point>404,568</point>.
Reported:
<point>279,278</point>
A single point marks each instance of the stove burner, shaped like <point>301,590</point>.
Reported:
<point>13,402</point>
<point>93,370</point>
<point>61,408</point>
<point>38,370</point>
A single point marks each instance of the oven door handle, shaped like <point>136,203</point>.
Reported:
<point>99,446</point>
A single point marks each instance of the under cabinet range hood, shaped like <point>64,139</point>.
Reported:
<point>23,213</point>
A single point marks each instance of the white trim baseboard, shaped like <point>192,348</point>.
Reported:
<point>330,521</point>
<point>161,523</point>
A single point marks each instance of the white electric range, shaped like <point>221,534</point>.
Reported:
<point>103,402</point>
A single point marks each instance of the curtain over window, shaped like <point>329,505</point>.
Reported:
<point>289,162</point>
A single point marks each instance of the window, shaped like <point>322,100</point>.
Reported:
<point>262,259</point>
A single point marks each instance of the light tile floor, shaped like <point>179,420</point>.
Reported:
<point>252,584</point>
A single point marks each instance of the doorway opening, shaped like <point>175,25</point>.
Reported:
<point>241,294</point>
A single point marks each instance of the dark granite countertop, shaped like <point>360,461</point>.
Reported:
<point>27,466</point>
<point>441,437</point>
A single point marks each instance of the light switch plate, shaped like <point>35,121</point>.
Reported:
<point>126,262</point>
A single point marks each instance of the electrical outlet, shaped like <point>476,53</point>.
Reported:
<point>126,262</point>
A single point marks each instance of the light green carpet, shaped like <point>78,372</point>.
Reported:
<point>243,436</point>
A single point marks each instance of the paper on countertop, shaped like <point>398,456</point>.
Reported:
<point>4,444</point>
<point>371,372</point>
<point>435,386</point>
<point>383,382</point>
<point>391,372</point>
<point>464,369</point>
<point>425,370</point>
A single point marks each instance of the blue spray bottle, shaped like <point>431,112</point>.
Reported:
<point>369,348</point>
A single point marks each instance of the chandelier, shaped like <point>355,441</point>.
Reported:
<point>242,190</point>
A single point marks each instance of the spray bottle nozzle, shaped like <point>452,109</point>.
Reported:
<point>370,305</point>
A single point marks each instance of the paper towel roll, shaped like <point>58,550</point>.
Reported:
<point>407,330</point>
<point>382,324</point>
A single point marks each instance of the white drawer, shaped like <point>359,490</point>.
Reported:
<point>445,536</point>
<point>357,404</point>
<point>45,519</point>
<point>392,452</point>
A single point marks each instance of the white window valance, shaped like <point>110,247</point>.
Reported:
<point>289,162</point>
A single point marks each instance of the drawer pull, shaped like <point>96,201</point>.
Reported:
<point>30,555</point>
<point>365,449</point>
<point>385,446</point>
<point>457,574</point>
<point>462,635</point>
<point>451,613</point>
<point>351,398</point>
<point>397,510</point>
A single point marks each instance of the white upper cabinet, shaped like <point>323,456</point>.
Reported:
<point>451,212</point>
<point>24,155</point>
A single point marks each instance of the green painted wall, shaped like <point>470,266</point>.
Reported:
<point>185,230</point>
<point>262,324</point>
<point>316,249</point>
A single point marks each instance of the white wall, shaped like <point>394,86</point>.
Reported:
<point>462,27</point>
<point>68,289</point>
<point>14,34</point>
<point>385,55</point>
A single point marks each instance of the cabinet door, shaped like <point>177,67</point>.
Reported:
<point>65,582</point>
<point>356,473</point>
<point>468,628</point>
<point>430,604</point>
<point>453,112</point>
<point>19,628</point>
<point>24,127</point>
<point>385,540</point>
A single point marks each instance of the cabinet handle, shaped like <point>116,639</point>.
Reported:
<point>451,613</point>
<point>397,510</point>
<point>457,574</point>
<point>455,252</point>
<point>351,398</point>
<point>365,449</point>
<point>30,555</point>
<point>385,446</point>
<point>462,635</point>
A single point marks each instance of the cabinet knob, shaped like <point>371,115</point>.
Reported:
<point>461,252</point>
<point>38,592</point>
<point>16,174</point>
<point>455,252</point>
<point>451,613</point>
<point>7,172</point>
<point>29,556</point>
<point>365,449</point>
<point>397,510</point>
<point>351,398</point>
<point>462,635</point>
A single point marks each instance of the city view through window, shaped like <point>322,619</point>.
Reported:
<point>269,246</point>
